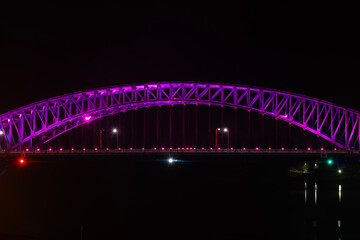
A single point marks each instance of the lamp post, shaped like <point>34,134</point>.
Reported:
<point>101,131</point>
<point>117,137</point>
<point>216,138</point>
<point>228,138</point>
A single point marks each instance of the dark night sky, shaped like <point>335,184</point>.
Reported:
<point>299,47</point>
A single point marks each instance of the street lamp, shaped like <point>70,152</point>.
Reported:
<point>228,133</point>
<point>216,133</point>
<point>117,137</point>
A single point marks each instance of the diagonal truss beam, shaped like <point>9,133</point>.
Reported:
<point>42,121</point>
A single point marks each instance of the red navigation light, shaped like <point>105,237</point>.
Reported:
<point>21,161</point>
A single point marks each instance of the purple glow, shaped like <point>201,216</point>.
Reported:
<point>231,148</point>
<point>72,149</point>
<point>282,149</point>
<point>211,148</point>
<point>195,93</point>
<point>163,148</point>
<point>269,148</point>
<point>256,148</point>
<point>164,85</point>
<point>50,149</point>
<point>119,149</point>
<point>131,149</point>
<point>60,149</point>
<point>38,149</point>
<point>308,149</point>
<point>126,89</point>
<point>178,148</point>
<point>143,149</point>
<point>155,148</point>
<point>95,149</point>
<point>322,149</point>
<point>295,149</point>
<point>84,149</point>
<point>27,150</point>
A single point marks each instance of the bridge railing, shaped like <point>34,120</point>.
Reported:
<point>181,151</point>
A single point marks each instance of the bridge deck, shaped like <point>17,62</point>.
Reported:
<point>176,151</point>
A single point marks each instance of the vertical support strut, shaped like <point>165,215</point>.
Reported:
<point>144,122</point>
<point>216,138</point>
<point>9,144</point>
<point>358,136</point>
<point>209,127</point>
<point>183,126</point>
<point>346,129</point>
<point>196,126</point>
<point>157,127</point>
<point>262,131</point>
<point>170,126</point>
<point>132,129</point>
<point>249,129</point>
<point>236,130</point>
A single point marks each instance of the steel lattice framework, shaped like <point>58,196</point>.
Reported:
<point>38,123</point>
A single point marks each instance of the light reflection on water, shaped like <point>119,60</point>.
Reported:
<point>315,188</point>
<point>198,192</point>
<point>316,223</point>
<point>339,193</point>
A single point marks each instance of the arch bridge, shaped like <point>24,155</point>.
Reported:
<point>42,121</point>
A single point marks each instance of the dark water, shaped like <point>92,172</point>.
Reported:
<point>208,197</point>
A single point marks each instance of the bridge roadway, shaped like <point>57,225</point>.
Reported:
<point>304,152</point>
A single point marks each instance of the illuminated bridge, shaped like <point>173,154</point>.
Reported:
<point>37,123</point>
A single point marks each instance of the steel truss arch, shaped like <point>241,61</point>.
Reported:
<point>38,123</point>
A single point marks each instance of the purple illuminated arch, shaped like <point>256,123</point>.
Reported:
<point>38,123</point>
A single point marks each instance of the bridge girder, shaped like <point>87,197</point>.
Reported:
<point>42,121</point>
